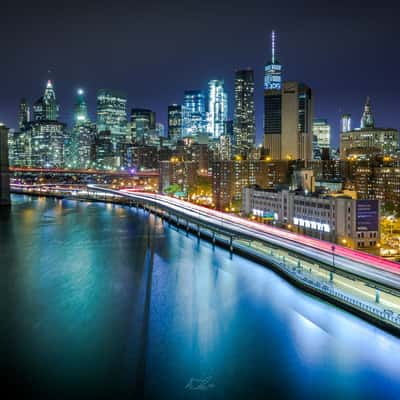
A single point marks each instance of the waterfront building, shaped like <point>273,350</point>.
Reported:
<point>174,122</point>
<point>217,108</point>
<point>194,119</point>
<point>104,154</point>
<point>46,144</point>
<point>21,148</point>
<point>178,172</point>
<point>244,127</point>
<point>230,177</point>
<point>81,150</point>
<point>111,116</point>
<point>368,141</point>
<point>339,218</point>
<point>4,173</point>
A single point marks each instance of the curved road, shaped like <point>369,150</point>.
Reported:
<point>364,265</point>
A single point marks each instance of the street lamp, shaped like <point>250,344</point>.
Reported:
<point>333,262</point>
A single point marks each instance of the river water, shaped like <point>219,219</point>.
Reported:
<point>99,300</point>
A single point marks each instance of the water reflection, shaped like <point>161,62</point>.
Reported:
<point>104,301</point>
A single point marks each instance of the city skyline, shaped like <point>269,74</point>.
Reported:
<point>338,87</point>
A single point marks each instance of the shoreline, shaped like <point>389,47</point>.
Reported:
<point>332,296</point>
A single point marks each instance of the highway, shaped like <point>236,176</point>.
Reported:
<point>361,264</point>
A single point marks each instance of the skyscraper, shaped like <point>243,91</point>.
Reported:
<point>217,108</point>
<point>273,70</point>
<point>44,136</point>
<point>244,119</point>
<point>174,122</point>
<point>297,117</point>
<point>143,126</point>
<point>367,119</point>
<point>273,105</point>
<point>345,123</point>
<point>80,109</point>
<point>194,113</point>
<point>321,137</point>
<point>83,135</point>
<point>111,116</point>
<point>46,108</point>
<point>289,115</point>
<point>24,114</point>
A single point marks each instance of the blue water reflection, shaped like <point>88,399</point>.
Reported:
<point>102,300</point>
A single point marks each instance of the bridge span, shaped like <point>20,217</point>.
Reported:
<point>362,283</point>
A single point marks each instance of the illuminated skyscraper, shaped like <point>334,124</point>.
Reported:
<point>45,136</point>
<point>273,105</point>
<point>273,70</point>
<point>244,128</point>
<point>143,126</point>
<point>321,137</point>
<point>111,116</point>
<point>345,123</point>
<point>46,108</point>
<point>47,144</point>
<point>174,122</point>
<point>24,114</point>
<point>194,113</point>
<point>83,135</point>
<point>81,113</point>
<point>289,115</point>
<point>217,108</point>
<point>367,119</point>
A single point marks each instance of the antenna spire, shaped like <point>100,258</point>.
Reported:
<point>273,47</point>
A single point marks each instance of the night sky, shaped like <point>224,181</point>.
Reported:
<point>154,50</point>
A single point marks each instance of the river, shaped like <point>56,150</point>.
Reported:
<point>99,300</point>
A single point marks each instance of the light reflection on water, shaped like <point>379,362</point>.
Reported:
<point>77,280</point>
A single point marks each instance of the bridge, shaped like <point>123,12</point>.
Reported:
<point>359,282</point>
<point>66,171</point>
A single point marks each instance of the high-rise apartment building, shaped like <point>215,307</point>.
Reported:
<point>217,108</point>
<point>174,122</point>
<point>194,113</point>
<point>244,127</point>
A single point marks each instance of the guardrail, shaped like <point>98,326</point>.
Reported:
<point>295,272</point>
